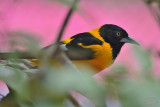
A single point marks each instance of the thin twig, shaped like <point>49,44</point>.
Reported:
<point>54,49</point>
<point>66,20</point>
<point>63,58</point>
<point>155,14</point>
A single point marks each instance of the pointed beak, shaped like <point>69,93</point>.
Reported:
<point>129,40</point>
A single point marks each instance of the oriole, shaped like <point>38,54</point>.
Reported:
<point>97,48</point>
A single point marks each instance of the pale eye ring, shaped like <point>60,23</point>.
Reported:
<point>118,33</point>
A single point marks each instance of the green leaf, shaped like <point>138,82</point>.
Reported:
<point>143,58</point>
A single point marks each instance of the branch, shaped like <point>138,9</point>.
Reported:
<point>66,20</point>
<point>54,49</point>
<point>154,12</point>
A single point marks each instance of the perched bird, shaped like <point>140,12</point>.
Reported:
<point>98,48</point>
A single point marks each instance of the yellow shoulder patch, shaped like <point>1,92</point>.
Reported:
<point>96,34</point>
<point>66,41</point>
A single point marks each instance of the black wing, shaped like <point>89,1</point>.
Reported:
<point>76,52</point>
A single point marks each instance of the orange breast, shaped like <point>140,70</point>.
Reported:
<point>102,58</point>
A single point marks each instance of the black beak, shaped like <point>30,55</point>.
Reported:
<point>129,40</point>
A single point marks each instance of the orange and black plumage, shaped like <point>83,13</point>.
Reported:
<point>98,48</point>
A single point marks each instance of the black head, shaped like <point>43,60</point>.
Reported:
<point>116,36</point>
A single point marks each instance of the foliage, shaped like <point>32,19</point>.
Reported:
<point>51,85</point>
<point>141,90</point>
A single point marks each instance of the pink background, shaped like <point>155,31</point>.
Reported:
<point>43,18</point>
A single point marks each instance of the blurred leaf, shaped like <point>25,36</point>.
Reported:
<point>16,80</point>
<point>25,42</point>
<point>117,73</point>
<point>139,93</point>
<point>65,81</point>
<point>143,58</point>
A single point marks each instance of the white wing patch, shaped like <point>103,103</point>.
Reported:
<point>63,47</point>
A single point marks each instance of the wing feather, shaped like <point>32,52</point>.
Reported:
<point>75,50</point>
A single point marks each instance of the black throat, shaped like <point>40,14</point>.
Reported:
<point>116,47</point>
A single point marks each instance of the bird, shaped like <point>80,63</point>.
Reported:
<point>97,48</point>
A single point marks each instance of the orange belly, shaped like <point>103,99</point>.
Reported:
<point>102,58</point>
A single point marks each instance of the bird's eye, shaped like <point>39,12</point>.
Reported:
<point>118,33</point>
